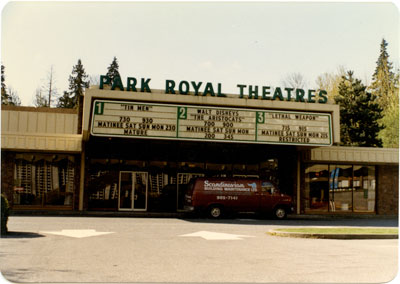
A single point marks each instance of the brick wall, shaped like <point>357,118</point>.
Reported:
<point>7,174</point>
<point>388,190</point>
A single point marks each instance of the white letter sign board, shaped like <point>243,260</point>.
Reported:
<point>203,123</point>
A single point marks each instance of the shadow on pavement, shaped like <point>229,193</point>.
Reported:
<point>327,221</point>
<point>22,235</point>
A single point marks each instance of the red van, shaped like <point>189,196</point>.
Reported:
<point>217,196</point>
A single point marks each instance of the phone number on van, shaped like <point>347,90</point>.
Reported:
<point>229,197</point>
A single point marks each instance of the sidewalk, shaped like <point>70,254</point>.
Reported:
<point>60,213</point>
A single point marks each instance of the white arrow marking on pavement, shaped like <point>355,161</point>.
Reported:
<point>77,233</point>
<point>212,236</point>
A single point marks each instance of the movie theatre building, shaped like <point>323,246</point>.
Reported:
<point>132,148</point>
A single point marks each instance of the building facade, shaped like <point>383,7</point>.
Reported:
<point>40,153</point>
<point>139,148</point>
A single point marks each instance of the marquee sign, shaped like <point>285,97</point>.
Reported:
<point>190,122</point>
<point>209,89</point>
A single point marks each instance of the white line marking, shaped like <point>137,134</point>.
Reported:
<point>212,236</point>
<point>77,233</point>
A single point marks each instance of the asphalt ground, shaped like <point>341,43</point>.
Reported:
<point>171,250</point>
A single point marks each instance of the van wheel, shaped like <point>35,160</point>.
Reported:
<point>280,213</point>
<point>215,211</point>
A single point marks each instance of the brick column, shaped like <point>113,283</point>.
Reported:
<point>387,190</point>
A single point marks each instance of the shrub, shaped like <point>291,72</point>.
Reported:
<point>4,214</point>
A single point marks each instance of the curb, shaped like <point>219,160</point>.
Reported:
<point>340,216</point>
<point>147,214</point>
<point>332,236</point>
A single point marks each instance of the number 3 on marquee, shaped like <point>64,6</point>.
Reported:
<point>182,112</point>
<point>260,117</point>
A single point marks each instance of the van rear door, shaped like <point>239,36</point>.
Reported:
<point>188,198</point>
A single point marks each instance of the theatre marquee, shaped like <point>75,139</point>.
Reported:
<point>192,122</point>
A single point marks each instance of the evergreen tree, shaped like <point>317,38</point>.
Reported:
<point>113,70</point>
<point>385,85</point>
<point>8,95</point>
<point>390,134</point>
<point>359,114</point>
<point>78,82</point>
<point>4,95</point>
<point>65,101</point>
<point>384,80</point>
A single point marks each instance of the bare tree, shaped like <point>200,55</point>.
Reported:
<point>330,82</point>
<point>295,81</point>
<point>13,97</point>
<point>39,99</point>
<point>49,87</point>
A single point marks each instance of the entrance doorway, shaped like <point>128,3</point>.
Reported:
<point>133,188</point>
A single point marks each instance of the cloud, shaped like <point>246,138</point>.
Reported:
<point>206,65</point>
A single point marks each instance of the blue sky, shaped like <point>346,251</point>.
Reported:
<point>252,43</point>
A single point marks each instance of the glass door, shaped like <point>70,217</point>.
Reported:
<point>341,188</point>
<point>140,191</point>
<point>132,191</point>
<point>125,201</point>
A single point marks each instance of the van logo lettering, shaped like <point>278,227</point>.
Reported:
<point>253,186</point>
<point>226,186</point>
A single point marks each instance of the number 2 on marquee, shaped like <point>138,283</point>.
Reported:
<point>182,112</point>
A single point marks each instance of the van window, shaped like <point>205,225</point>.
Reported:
<point>267,186</point>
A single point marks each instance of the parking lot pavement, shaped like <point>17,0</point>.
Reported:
<point>88,249</point>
